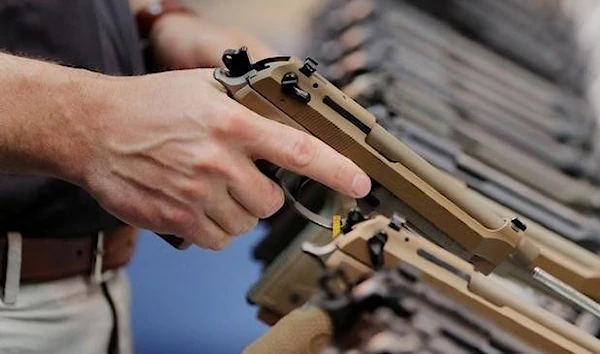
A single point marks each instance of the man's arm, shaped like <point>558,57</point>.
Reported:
<point>40,116</point>
<point>169,152</point>
<point>182,40</point>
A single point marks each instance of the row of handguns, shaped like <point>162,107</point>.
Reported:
<point>474,115</point>
<point>485,186</point>
<point>535,34</point>
<point>421,299</point>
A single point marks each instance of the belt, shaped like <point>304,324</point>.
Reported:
<point>51,258</point>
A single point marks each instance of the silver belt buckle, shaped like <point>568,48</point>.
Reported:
<point>97,276</point>
<point>12,282</point>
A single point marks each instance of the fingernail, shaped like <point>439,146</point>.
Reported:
<point>361,185</point>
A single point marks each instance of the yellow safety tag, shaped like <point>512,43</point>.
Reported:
<point>336,225</point>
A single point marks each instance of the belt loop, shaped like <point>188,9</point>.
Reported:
<point>97,260</point>
<point>12,281</point>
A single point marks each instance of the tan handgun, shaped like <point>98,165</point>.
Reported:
<point>383,242</point>
<point>290,91</point>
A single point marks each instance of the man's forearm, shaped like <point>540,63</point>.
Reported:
<point>40,106</point>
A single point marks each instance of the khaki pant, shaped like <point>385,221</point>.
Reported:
<point>69,316</point>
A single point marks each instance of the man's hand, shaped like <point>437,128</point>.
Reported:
<point>171,152</point>
<point>183,41</point>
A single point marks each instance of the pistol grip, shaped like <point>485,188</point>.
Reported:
<point>177,242</point>
<point>302,331</point>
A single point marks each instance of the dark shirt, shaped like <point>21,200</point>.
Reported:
<point>94,34</point>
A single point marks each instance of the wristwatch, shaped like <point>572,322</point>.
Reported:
<point>148,15</point>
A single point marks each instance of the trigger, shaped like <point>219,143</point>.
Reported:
<point>299,207</point>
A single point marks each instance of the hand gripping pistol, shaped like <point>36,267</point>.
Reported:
<point>292,92</point>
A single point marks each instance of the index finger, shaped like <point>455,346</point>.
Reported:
<point>304,154</point>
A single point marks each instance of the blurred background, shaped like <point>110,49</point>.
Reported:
<point>194,301</point>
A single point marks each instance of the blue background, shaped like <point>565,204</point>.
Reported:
<point>193,301</point>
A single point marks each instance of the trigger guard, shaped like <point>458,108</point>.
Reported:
<point>306,213</point>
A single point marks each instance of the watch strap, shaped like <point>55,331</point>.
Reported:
<point>148,15</point>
